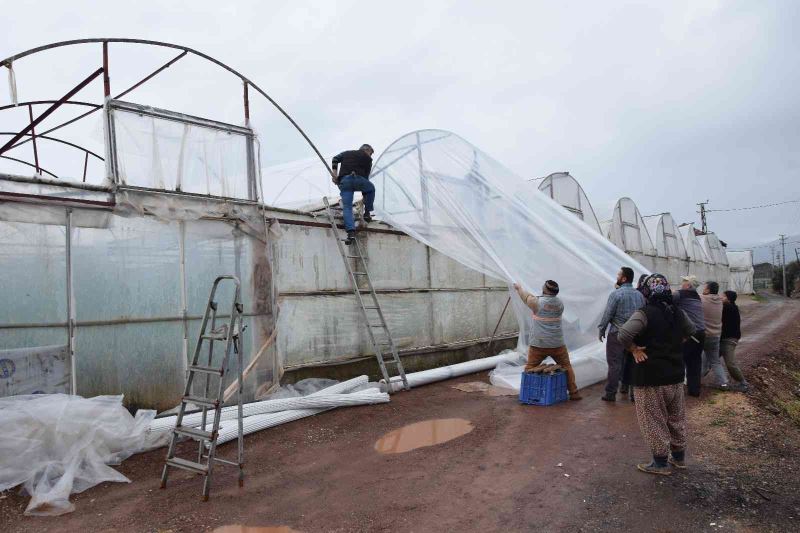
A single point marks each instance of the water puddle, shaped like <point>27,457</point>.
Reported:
<point>254,529</point>
<point>421,434</point>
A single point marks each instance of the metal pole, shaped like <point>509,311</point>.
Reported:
<point>426,212</point>
<point>70,309</point>
<point>33,138</point>
<point>184,311</point>
<point>106,79</point>
<point>491,341</point>
<point>783,261</point>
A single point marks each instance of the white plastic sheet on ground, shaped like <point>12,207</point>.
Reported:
<point>443,191</point>
<point>56,444</point>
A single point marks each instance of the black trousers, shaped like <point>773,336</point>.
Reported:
<point>693,362</point>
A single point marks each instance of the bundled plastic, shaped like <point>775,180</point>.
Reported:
<point>56,444</point>
<point>443,191</point>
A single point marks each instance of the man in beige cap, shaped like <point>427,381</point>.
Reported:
<point>687,299</point>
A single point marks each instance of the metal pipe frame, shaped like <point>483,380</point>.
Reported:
<point>106,41</point>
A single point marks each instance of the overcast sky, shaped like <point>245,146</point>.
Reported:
<point>670,103</point>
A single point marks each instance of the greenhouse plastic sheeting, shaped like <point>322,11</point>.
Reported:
<point>445,192</point>
<point>55,445</point>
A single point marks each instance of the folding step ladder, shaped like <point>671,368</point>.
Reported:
<point>385,349</point>
<point>229,333</point>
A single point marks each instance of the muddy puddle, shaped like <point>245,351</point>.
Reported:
<point>254,529</point>
<point>422,434</point>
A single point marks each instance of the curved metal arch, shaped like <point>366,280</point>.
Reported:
<point>29,164</point>
<point>55,139</point>
<point>43,102</point>
<point>7,62</point>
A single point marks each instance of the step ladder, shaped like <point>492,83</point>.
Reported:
<point>230,334</point>
<point>371,312</point>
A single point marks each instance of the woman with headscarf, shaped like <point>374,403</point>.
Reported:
<point>655,335</point>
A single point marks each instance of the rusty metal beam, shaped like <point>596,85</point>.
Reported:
<point>246,105</point>
<point>106,79</point>
<point>33,139</point>
<point>75,90</point>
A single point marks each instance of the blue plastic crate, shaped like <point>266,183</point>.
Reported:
<point>543,389</point>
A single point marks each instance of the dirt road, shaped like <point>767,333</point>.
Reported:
<point>323,474</point>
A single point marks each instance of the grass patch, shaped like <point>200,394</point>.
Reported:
<point>758,298</point>
<point>719,422</point>
<point>792,408</point>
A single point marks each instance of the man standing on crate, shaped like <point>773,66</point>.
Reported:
<point>353,175</point>
<point>619,308</point>
<point>547,337</point>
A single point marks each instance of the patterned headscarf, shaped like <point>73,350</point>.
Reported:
<point>657,287</point>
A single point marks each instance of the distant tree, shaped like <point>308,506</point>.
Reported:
<point>792,275</point>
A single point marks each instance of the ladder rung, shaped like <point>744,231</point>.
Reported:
<point>359,273</point>
<point>371,307</point>
<point>197,434</point>
<point>381,325</point>
<point>225,461</point>
<point>205,369</point>
<point>208,402</point>
<point>354,257</point>
<point>191,466</point>
<point>215,336</point>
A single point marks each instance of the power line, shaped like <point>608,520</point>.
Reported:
<point>753,206</point>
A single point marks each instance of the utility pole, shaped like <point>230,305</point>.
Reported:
<point>783,254</point>
<point>703,216</point>
<point>797,254</point>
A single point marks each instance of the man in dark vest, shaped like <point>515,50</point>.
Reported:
<point>353,175</point>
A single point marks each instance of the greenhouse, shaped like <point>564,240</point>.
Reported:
<point>741,271</point>
<point>564,189</point>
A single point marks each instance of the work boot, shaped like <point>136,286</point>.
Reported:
<point>351,238</point>
<point>608,397</point>
<point>678,459</point>
<point>367,217</point>
<point>574,396</point>
<point>658,466</point>
<point>623,389</point>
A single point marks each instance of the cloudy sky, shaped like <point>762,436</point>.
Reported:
<point>670,103</point>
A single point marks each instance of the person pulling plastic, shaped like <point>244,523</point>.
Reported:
<point>547,338</point>
<point>353,175</point>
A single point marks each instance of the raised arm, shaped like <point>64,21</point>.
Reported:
<point>529,299</point>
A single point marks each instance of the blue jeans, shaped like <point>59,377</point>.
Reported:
<point>711,360</point>
<point>347,187</point>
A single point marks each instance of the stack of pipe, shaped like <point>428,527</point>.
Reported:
<point>270,413</point>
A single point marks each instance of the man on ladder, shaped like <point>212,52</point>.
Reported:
<point>353,175</point>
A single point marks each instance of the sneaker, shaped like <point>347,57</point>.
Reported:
<point>741,387</point>
<point>653,468</point>
<point>367,218</point>
<point>677,463</point>
<point>351,238</point>
<point>724,387</point>
<point>609,398</point>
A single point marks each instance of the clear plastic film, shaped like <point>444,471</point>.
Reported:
<point>741,271</point>
<point>445,192</point>
<point>55,445</point>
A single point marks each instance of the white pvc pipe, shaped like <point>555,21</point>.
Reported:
<point>417,379</point>
<point>270,406</point>
<point>230,431</point>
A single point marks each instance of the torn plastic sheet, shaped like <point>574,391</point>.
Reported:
<point>56,444</point>
<point>446,193</point>
<point>12,83</point>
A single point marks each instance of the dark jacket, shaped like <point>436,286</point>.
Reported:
<point>357,162</point>
<point>689,301</point>
<point>731,321</point>
<point>662,341</point>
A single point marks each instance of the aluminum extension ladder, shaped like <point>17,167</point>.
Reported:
<point>385,349</point>
<point>231,334</point>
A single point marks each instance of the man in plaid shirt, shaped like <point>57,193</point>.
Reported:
<point>621,305</point>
